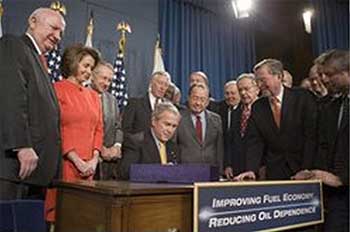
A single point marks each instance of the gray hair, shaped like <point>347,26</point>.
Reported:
<point>200,86</point>
<point>203,75</point>
<point>249,76</point>
<point>161,73</point>
<point>337,60</point>
<point>275,66</point>
<point>103,63</point>
<point>164,107</point>
<point>43,12</point>
<point>231,82</point>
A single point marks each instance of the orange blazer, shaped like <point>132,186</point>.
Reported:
<point>81,119</point>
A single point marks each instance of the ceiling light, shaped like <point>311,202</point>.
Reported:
<point>307,15</point>
<point>241,8</point>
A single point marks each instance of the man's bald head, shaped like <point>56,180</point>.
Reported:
<point>46,26</point>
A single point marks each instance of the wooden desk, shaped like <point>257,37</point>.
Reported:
<point>110,206</point>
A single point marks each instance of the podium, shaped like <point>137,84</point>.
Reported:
<point>111,206</point>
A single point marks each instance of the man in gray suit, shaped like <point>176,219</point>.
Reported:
<point>113,135</point>
<point>29,115</point>
<point>199,135</point>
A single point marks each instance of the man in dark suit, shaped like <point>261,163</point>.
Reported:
<point>112,132</point>
<point>153,145</point>
<point>199,135</point>
<point>29,129</point>
<point>281,130</point>
<point>226,107</point>
<point>234,161</point>
<point>332,161</point>
<point>137,114</point>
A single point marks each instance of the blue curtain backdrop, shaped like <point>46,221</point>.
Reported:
<point>330,25</point>
<point>194,38</point>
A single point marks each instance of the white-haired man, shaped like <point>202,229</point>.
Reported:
<point>29,129</point>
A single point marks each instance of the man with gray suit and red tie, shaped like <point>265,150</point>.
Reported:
<point>199,135</point>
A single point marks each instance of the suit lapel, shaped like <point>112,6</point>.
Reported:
<point>225,108</point>
<point>147,105</point>
<point>236,120</point>
<point>343,124</point>
<point>269,115</point>
<point>334,116</point>
<point>29,43</point>
<point>287,101</point>
<point>189,124</point>
<point>209,128</point>
<point>170,151</point>
<point>44,76</point>
<point>152,148</point>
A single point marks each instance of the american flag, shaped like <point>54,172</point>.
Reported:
<point>54,63</point>
<point>119,84</point>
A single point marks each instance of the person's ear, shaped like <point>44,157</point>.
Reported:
<point>32,21</point>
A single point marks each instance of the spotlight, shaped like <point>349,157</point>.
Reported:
<point>241,8</point>
<point>307,15</point>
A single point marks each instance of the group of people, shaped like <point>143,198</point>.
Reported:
<point>49,132</point>
<point>262,130</point>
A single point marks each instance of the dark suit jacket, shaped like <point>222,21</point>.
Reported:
<point>333,142</point>
<point>137,115</point>
<point>142,148</point>
<point>191,150</point>
<point>29,111</point>
<point>235,145</point>
<point>221,108</point>
<point>288,149</point>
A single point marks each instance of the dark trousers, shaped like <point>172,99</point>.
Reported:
<point>10,190</point>
<point>337,210</point>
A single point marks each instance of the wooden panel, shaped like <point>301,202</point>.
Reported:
<point>123,207</point>
<point>77,210</point>
<point>160,213</point>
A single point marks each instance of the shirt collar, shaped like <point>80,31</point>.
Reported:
<point>280,95</point>
<point>201,115</point>
<point>34,43</point>
<point>152,99</point>
<point>232,107</point>
<point>155,138</point>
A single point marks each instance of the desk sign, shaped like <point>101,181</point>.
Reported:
<point>257,206</point>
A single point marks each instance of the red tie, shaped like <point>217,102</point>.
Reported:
<point>276,110</point>
<point>199,128</point>
<point>43,61</point>
<point>244,120</point>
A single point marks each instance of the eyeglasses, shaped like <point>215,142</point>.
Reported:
<point>246,89</point>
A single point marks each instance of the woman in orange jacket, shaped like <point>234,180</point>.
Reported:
<point>81,119</point>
